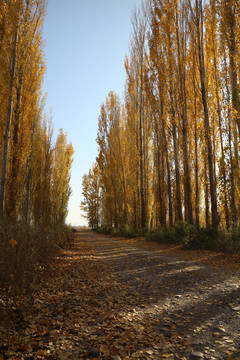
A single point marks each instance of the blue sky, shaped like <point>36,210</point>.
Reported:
<point>86,44</point>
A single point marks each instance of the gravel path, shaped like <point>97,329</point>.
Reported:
<point>197,302</point>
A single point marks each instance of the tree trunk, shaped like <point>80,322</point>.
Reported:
<point>15,190</point>
<point>232,59</point>
<point>232,167</point>
<point>170,210</point>
<point>142,197</point>
<point>223,165</point>
<point>199,27</point>
<point>9,115</point>
<point>182,79</point>
<point>177,172</point>
<point>206,193</point>
<point>197,208</point>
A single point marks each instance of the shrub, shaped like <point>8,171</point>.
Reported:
<point>229,240</point>
<point>170,235</point>
<point>106,230</point>
<point>23,248</point>
<point>201,238</point>
<point>188,235</point>
<point>128,231</point>
<point>123,230</point>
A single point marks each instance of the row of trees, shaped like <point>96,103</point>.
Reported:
<point>170,151</point>
<point>34,172</point>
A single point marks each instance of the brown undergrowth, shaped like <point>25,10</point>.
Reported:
<point>25,252</point>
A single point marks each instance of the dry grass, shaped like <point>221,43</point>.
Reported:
<point>25,252</point>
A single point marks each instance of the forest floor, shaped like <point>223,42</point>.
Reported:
<point>115,298</point>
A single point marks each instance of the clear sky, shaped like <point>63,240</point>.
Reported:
<point>86,44</point>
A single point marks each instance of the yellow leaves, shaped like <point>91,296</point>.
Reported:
<point>23,23</point>
<point>41,353</point>
<point>12,243</point>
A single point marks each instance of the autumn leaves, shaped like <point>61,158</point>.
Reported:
<point>35,172</point>
<point>170,151</point>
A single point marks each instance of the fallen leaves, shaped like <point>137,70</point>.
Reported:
<point>88,311</point>
<point>12,243</point>
<point>77,314</point>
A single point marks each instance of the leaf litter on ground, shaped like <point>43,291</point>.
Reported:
<point>93,306</point>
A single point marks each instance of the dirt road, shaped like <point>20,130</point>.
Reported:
<point>113,298</point>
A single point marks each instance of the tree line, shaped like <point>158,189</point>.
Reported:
<point>169,152</point>
<point>34,170</point>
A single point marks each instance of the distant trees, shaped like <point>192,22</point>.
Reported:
<point>91,191</point>
<point>31,188</point>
